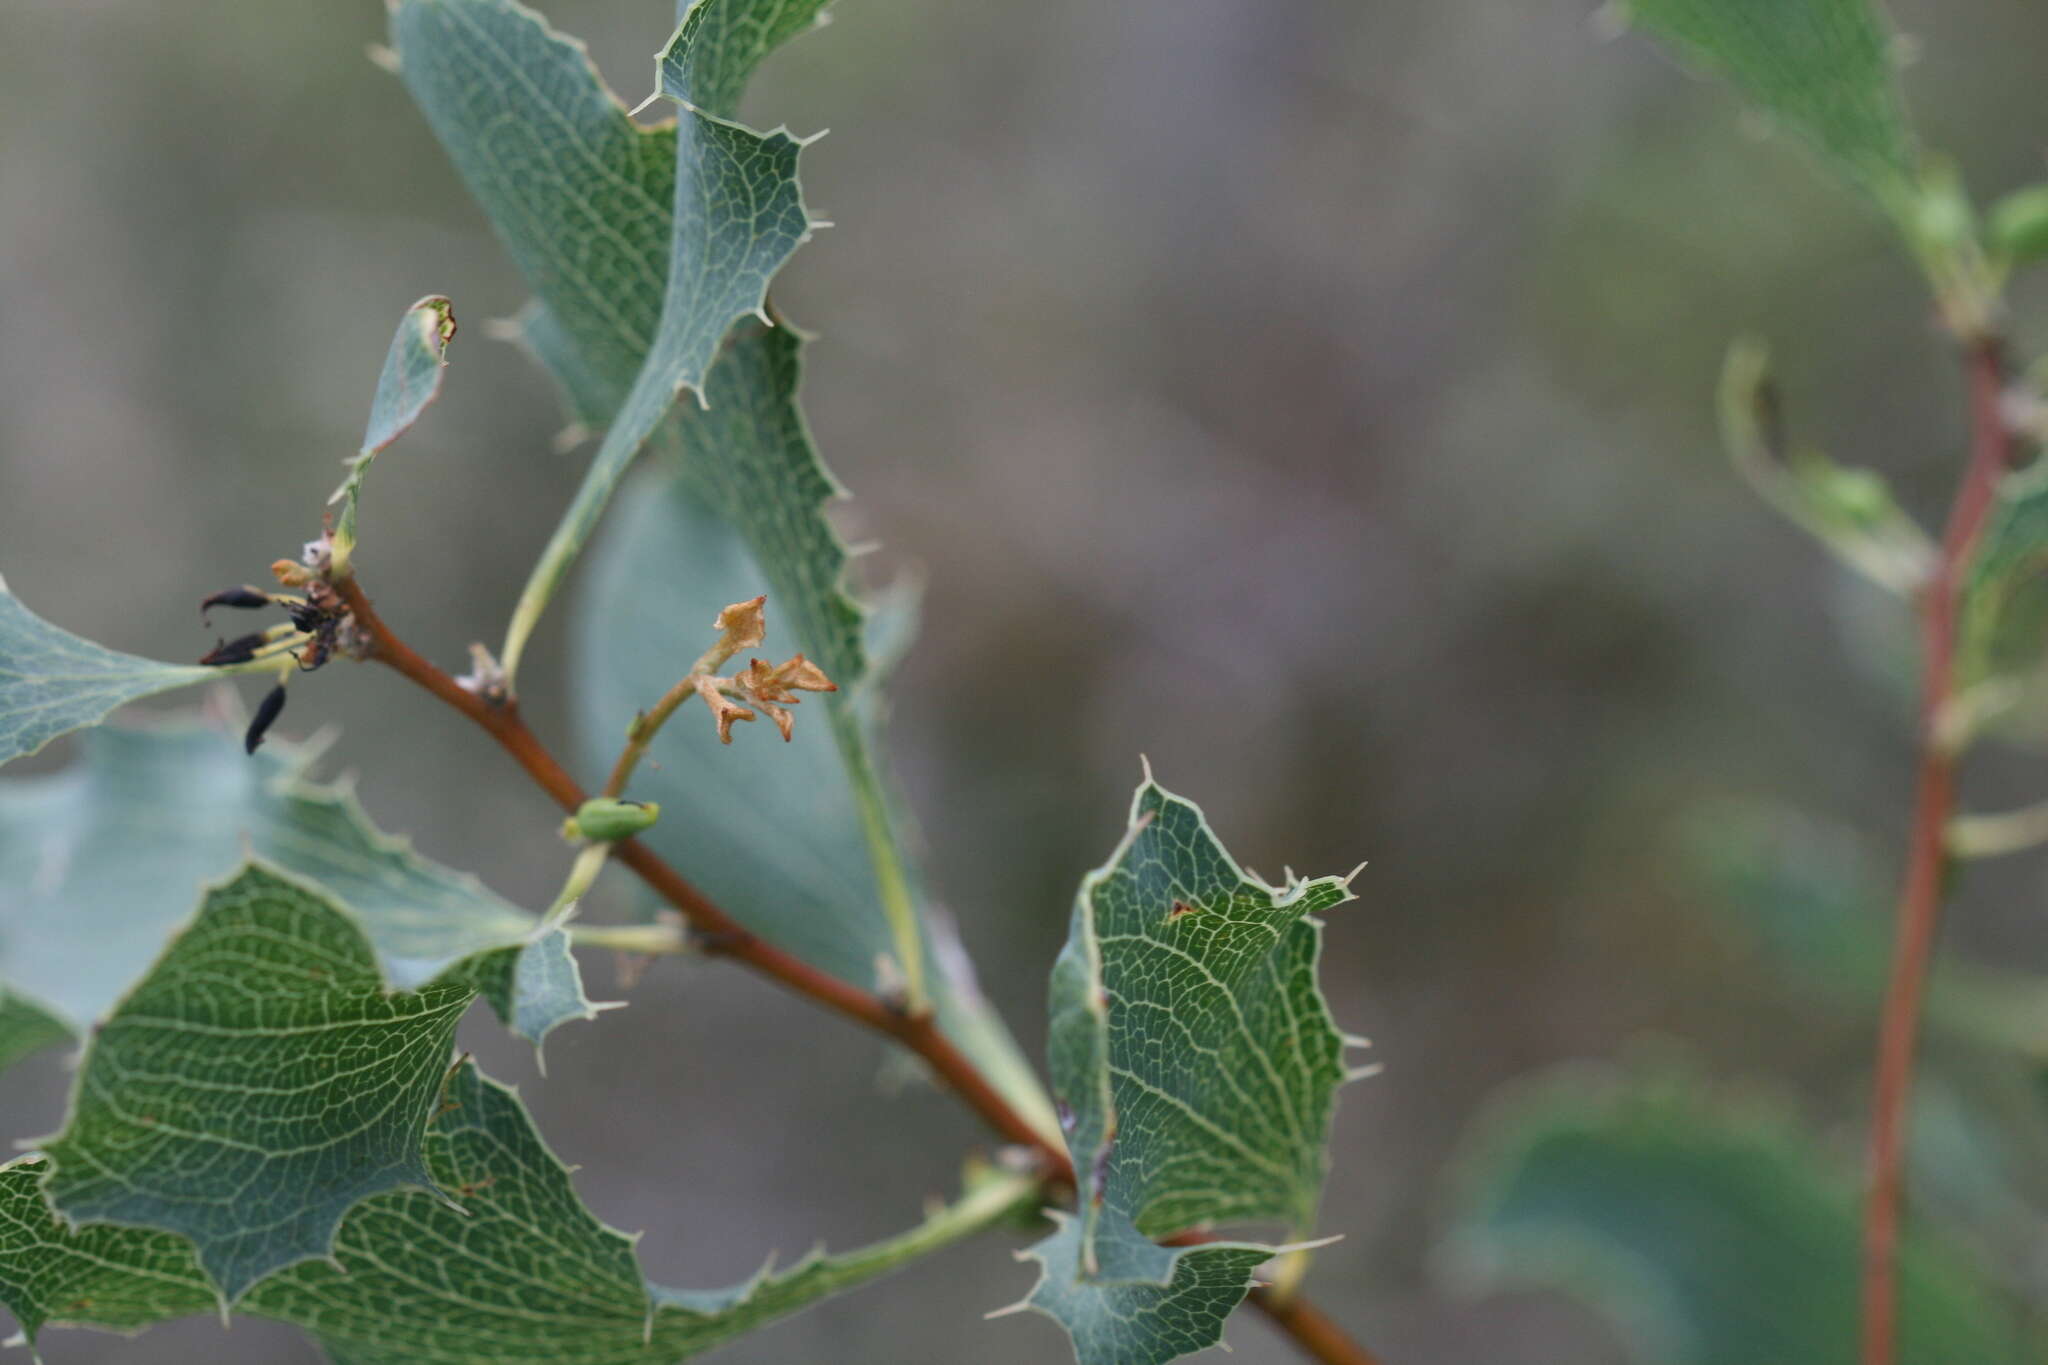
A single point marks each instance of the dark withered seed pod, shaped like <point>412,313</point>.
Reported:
<point>268,712</point>
<point>238,651</point>
<point>241,599</point>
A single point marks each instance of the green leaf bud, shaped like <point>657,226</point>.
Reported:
<point>606,819</point>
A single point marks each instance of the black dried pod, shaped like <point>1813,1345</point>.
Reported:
<point>304,614</point>
<point>268,712</point>
<point>241,599</point>
<point>236,651</point>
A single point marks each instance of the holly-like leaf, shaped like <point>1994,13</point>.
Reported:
<point>581,198</point>
<point>1822,68</point>
<point>1711,1232</point>
<point>409,381</point>
<point>99,864</point>
<point>120,1279</point>
<point>1197,1066</point>
<point>52,682</point>
<point>1146,1304</point>
<point>256,1084</point>
<point>521,1274</point>
<point>719,44</point>
<point>735,212</point>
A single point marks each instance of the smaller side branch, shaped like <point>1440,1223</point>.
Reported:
<point>1993,835</point>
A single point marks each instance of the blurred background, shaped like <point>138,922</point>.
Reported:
<point>1312,396</point>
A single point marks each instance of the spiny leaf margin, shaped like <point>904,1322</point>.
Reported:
<point>523,1274</point>
<point>182,803</point>
<point>1197,1066</point>
<point>258,1082</point>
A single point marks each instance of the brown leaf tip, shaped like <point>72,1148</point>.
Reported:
<point>770,687</point>
<point>724,712</point>
<point>743,625</point>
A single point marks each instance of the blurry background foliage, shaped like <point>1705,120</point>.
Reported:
<point>1314,396</point>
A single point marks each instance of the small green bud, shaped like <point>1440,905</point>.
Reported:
<point>2019,225</point>
<point>1856,496</point>
<point>606,819</point>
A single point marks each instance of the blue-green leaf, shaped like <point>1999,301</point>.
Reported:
<point>409,381</point>
<point>1711,1232</point>
<point>52,682</point>
<point>521,1274</point>
<point>734,211</point>
<point>101,862</point>
<point>1197,1066</point>
<point>257,1083</point>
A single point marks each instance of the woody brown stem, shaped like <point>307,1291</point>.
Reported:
<point>719,935</point>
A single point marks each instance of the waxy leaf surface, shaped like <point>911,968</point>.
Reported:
<point>256,1084</point>
<point>735,213</point>
<point>53,682</point>
<point>1197,1066</point>
<point>101,862</point>
<point>521,1274</point>
<point>1711,1232</point>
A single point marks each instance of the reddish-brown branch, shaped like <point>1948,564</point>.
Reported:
<point>719,935</point>
<point>1312,1330</point>
<point>1920,896</point>
<point>716,932</point>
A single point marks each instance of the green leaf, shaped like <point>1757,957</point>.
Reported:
<point>735,216</point>
<point>1811,899</point>
<point>52,682</point>
<point>410,380</point>
<point>258,1082</point>
<point>719,43</point>
<point>1712,1233</point>
<point>581,198</point>
<point>101,862</point>
<point>533,985</point>
<point>2005,600</point>
<point>524,1274</point>
<point>1198,1068</point>
<point>24,1028</point>
<point>120,1279</point>
<point>1849,510</point>
<point>1147,1304</point>
<point>1822,68</point>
